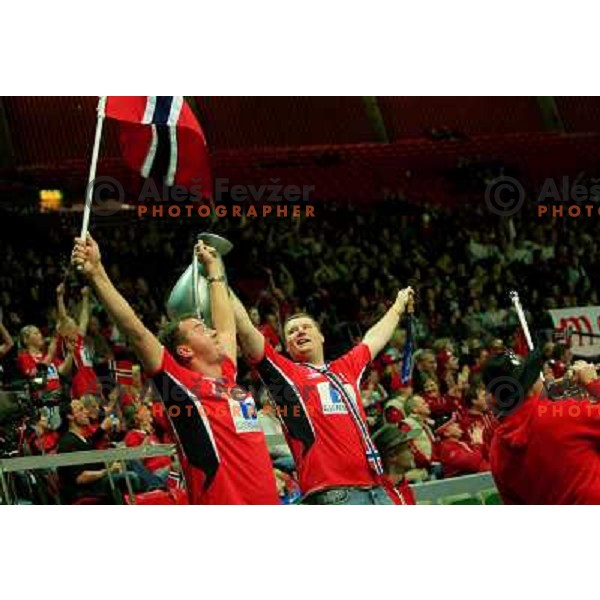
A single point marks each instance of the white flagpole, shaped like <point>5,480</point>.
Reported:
<point>93,165</point>
<point>514,296</point>
<point>195,279</point>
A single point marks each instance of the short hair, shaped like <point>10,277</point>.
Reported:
<point>472,392</point>
<point>409,404</point>
<point>88,399</point>
<point>300,315</point>
<point>421,354</point>
<point>25,333</point>
<point>170,336</point>
<point>65,409</point>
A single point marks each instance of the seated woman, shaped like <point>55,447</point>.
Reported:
<point>143,433</point>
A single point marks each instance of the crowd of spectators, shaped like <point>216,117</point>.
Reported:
<point>344,266</point>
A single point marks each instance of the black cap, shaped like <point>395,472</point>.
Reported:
<point>508,378</point>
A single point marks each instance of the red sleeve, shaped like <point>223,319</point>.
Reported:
<point>26,364</point>
<point>438,406</point>
<point>285,364</point>
<point>456,459</point>
<point>169,365</point>
<point>353,363</point>
<point>166,362</point>
<point>393,415</point>
<point>594,389</point>
<point>134,438</point>
<point>421,461</point>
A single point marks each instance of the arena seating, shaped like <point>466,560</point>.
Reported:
<point>412,116</point>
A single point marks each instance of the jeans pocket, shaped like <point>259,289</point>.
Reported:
<point>335,497</point>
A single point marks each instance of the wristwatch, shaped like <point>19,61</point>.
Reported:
<point>215,279</point>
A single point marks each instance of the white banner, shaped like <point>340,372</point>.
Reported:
<point>576,323</point>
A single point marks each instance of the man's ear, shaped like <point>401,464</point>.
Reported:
<point>185,352</point>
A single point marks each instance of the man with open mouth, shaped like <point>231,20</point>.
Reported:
<point>320,406</point>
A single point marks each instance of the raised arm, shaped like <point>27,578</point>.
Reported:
<point>378,336</point>
<point>66,365</point>
<point>222,312</point>
<point>52,348</point>
<point>60,303</point>
<point>86,255</point>
<point>251,339</point>
<point>84,313</point>
<point>7,341</point>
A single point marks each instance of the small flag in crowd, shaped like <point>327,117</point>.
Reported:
<point>408,350</point>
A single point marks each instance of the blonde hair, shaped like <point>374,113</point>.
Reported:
<point>25,333</point>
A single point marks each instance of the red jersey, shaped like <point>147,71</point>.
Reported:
<point>28,365</point>
<point>322,435</point>
<point>460,458</point>
<point>401,493</point>
<point>547,452</point>
<point>270,334</point>
<point>485,420</point>
<point>136,437</point>
<point>221,445</point>
<point>443,405</point>
<point>85,380</point>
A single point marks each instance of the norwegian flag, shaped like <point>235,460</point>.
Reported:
<point>122,371</point>
<point>161,138</point>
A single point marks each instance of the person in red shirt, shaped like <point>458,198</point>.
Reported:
<point>393,444</point>
<point>143,433</point>
<point>544,451</point>
<point>42,440</point>
<point>320,406</point>
<point>440,404</point>
<point>39,363</point>
<point>84,380</point>
<point>478,416</point>
<point>458,457</point>
<point>221,446</point>
<point>98,432</point>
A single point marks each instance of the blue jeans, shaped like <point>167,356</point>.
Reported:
<point>349,495</point>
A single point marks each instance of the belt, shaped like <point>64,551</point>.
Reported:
<point>333,495</point>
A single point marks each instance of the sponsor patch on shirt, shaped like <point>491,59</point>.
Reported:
<point>52,372</point>
<point>244,415</point>
<point>331,400</point>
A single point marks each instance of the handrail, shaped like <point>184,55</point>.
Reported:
<point>68,459</point>
<point>432,491</point>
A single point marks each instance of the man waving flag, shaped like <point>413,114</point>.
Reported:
<point>161,138</point>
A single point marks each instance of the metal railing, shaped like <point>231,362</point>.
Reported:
<point>69,459</point>
<point>429,492</point>
<point>433,491</point>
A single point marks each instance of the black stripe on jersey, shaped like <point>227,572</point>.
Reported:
<point>193,436</point>
<point>290,406</point>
